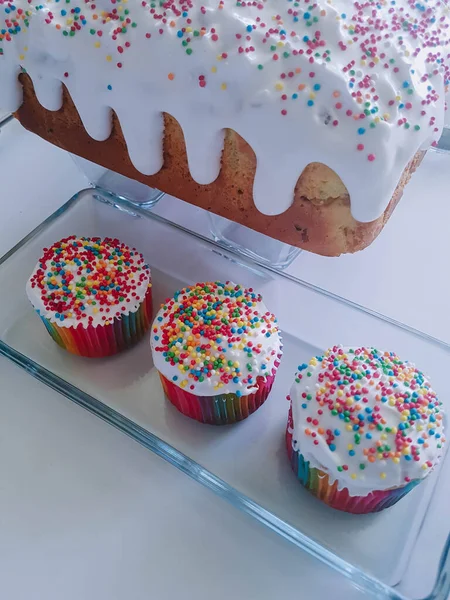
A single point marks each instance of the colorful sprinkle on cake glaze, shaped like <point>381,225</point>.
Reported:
<point>92,294</point>
<point>356,85</point>
<point>364,428</point>
<point>217,349</point>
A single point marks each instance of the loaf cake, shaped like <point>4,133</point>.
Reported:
<point>302,120</point>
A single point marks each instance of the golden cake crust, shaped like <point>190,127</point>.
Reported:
<point>319,219</point>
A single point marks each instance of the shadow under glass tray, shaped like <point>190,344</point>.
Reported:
<point>399,553</point>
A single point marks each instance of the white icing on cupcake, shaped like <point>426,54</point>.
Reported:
<point>89,281</point>
<point>366,418</point>
<point>216,338</point>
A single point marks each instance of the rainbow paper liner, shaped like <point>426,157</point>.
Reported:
<point>104,340</point>
<point>318,483</point>
<point>221,409</point>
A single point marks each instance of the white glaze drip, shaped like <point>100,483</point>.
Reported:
<point>48,91</point>
<point>10,88</point>
<point>96,117</point>
<point>204,145</point>
<point>145,142</point>
<point>243,90</point>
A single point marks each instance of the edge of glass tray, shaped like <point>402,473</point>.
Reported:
<point>359,578</point>
<point>5,119</point>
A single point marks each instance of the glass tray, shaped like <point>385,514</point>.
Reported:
<point>400,553</point>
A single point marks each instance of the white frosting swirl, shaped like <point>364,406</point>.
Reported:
<point>358,86</point>
<point>367,419</point>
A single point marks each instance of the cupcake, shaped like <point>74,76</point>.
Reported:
<point>217,349</point>
<point>93,295</point>
<point>364,428</point>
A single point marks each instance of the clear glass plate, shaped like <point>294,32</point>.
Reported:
<point>254,245</point>
<point>400,553</point>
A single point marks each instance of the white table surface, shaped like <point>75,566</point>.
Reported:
<point>86,513</point>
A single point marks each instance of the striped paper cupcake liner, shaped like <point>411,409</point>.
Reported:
<point>104,340</point>
<point>318,483</point>
<point>221,409</point>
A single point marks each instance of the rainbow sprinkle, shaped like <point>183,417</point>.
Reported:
<point>216,332</point>
<point>376,414</point>
<point>89,281</point>
<point>385,32</point>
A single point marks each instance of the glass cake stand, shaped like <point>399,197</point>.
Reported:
<point>122,186</point>
<point>252,244</point>
<point>401,553</point>
<point>228,234</point>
